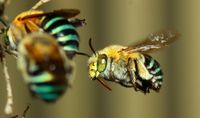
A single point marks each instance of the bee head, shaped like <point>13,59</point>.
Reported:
<point>96,65</point>
<point>92,67</point>
<point>92,62</point>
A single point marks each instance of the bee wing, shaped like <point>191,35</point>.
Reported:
<point>67,13</point>
<point>154,41</point>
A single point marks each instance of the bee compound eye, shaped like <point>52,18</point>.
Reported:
<point>102,62</point>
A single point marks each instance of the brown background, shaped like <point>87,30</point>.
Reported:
<point>122,22</point>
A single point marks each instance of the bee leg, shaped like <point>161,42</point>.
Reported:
<point>140,84</point>
<point>111,70</point>
<point>130,73</point>
<point>10,52</point>
<point>77,22</point>
<point>125,84</point>
<point>141,88</point>
<point>145,86</point>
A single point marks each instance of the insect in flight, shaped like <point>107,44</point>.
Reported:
<point>47,79</point>
<point>131,66</point>
<point>44,66</point>
<point>61,24</point>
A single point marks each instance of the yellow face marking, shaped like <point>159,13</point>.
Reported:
<point>92,70</point>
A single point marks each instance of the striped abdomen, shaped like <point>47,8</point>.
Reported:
<point>148,74</point>
<point>64,32</point>
<point>154,69</point>
<point>46,85</point>
<point>44,66</point>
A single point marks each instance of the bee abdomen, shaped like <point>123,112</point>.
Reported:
<point>154,69</point>
<point>47,92</point>
<point>64,32</point>
<point>46,86</point>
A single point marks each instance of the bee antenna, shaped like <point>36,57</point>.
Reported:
<point>83,54</point>
<point>90,44</point>
<point>104,84</point>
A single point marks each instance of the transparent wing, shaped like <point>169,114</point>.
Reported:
<point>67,13</point>
<point>154,41</point>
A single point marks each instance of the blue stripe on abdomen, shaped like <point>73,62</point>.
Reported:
<point>52,21</point>
<point>70,48</point>
<point>46,88</point>
<point>49,96</point>
<point>64,32</point>
<point>153,67</point>
<point>68,38</point>
<point>41,78</point>
<point>61,28</point>
<point>48,92</point>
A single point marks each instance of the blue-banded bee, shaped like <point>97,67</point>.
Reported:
<point>34,37</point>
<point>61,24</point>
<point>44,66</point>
<point>131,66</point>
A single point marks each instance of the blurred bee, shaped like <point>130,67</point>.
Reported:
<point>131,66</point>
<point>44,66</point>
<point>35,37</point>
<point>57,23</point>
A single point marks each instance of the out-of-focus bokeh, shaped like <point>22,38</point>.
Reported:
<point>121,22</point>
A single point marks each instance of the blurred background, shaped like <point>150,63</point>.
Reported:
<point>121,22</point>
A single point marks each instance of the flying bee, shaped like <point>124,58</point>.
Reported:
<point>61,24</point>
<point>44,66</point>
<point>131,66</point>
